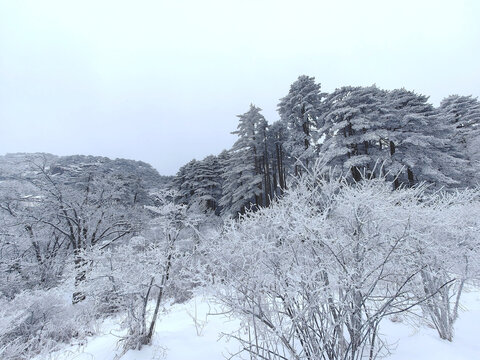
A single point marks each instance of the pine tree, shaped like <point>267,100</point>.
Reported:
<point>184,183</point>
<point>398,132</point>
<point>420,148</point>
<point>244,180</point>
<point>462,115</point>
<point>208,183</point>
<point>199,184</point>
<point>300,110</point>
<point>353,130</point>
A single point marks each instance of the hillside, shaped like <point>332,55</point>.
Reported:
<point>22,165</point>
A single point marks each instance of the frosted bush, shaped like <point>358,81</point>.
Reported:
<point>39,322</point>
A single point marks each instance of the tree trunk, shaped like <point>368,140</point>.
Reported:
<point>268,184</point>
<point>281,178</point>
<point>357,176</point>
<point>80,274</point>
<point>148,337</point>
<point>411,179</point>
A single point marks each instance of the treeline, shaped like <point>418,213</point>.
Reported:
<point>357,131</point>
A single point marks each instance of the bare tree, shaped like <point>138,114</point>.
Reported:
<point>137,275</point>
<point>449,255</point>
<point>87,212</point>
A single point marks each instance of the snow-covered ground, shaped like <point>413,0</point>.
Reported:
<point>424,343</point>
<point>178,338</point>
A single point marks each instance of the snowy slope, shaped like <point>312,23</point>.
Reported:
<point>424,344</point>
<point>177,337</point>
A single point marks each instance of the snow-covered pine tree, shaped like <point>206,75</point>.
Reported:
<point>462,115</point>
<point>184,183</point>
<point>208,183</point>
<point>420,146</point>
<point>300,110</point>
<point>199,183</point>
<point>244,181</point>
<point>353,130</point>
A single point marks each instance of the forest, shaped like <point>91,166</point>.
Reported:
<point>353,208</point>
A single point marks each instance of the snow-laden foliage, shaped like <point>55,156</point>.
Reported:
<point>313,275</point>
<point>360,131</point>
<point>420,145</point>
<point>462,115</point>
<point>300,110</point>
<point>367,126</point>
<point>449,254</point>
<point>41,321</point>
<point>354,132</point>
<point>244,183</point>
<point>199,183</point>
<point>51,218</point>
<point>136,276</point>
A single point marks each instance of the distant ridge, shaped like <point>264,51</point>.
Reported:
<point>20,164</point>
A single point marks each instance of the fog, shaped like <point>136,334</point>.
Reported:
<point>163,81</point>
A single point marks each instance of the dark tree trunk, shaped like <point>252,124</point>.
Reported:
<point>411,179</point>
<point>396,182</point>
<point>281,174</point>
<point>268,186</point>
<point>357,176</point>
<point>392,148</point>
<point>148,337</point>
<point>80,275</point>
<point>274,178</point>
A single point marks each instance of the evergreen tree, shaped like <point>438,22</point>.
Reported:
<point>199,183</point>
<point>397,131</point>
<point>300,110</point>
<point>419,144</point>
<point>184,183</point>
<point>462,115</point>
<point>353,130</point>
<point>208,182</point>
<point>244,180</point>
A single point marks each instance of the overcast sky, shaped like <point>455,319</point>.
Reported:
<point>162,81</point>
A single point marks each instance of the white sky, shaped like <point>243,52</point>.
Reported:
<point>162,81</point>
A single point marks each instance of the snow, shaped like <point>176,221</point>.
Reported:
<point>177,337</point>
<point>424,343</point>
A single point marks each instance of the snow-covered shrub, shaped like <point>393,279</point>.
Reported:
<point>313,275</point>
<point>124,279</point>
<point>136,276</point>
<point>449,255</point>
<point>32,256</point>
<point>40,321</point>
